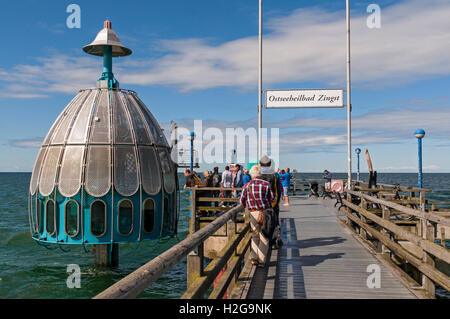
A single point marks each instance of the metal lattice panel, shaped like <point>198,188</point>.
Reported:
<point>122,125</point>
<point>98,176</point>
<point>125,170</point>
<point>140,129</point>
<point>81,141</point>
<point>80,127</point>
<point>168,175</point>
<point>61,132</point>
<point>150,170</point>
<point>49,169</point>
<point>153,125</point>
<point>70,175</point>
<point>70,106</point>
<point>36,170</point>
<point>100,124</point>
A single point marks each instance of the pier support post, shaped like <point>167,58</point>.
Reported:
<point>428,234</point>
<point>194,265</point>
<point>362,231</point>
<point>386,214</point>
<point>195,257</point>
<point>106,255</point>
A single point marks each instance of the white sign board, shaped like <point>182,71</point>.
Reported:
<point>304,98</point>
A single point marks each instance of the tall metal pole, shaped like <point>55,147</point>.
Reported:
<point>260,84</point>
<point>357,151</point>
<point>191,137</point>
<point>419,141</point>
<point>419,134</point>
<point>358,169</point>
<point>349,101</point>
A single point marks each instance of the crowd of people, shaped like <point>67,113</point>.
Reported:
<point>236,179</point>
<point>262,189</point>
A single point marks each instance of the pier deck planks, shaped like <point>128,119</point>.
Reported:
<point>319,259</point>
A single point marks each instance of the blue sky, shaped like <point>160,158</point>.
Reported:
<point>198,61</point>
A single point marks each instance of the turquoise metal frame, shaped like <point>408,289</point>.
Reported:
<point>163,224</point>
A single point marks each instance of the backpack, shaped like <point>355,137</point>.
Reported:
<point>216,180</point>
<point>197,180</point>
<point>272,179</point>
<point>241,182</point>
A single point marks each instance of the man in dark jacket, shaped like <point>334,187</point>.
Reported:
<point>269,175</point>
<point>216,180</point>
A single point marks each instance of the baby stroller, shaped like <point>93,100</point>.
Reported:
<point>314,189</point>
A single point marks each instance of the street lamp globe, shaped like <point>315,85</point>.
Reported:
<point>192,136</point>
<point>357,151</point>
<point>419,133</point>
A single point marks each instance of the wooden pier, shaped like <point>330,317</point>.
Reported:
<point>320,258</point>
<point>365,243</point>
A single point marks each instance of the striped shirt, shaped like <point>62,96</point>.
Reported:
<point>262,195</point>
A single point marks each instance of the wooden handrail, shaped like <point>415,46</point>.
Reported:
<point>431,272</point>
<point>417,248</point>
<point>427,216</point>
<point>426,245</point>
<point>401,188</point>
<point>201,188</point>
<point>136,282</point>
<point>199,287</point>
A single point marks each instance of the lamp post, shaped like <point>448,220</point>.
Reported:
<point>191,138</point>
<point>419,134</point>
<point>357,151</point>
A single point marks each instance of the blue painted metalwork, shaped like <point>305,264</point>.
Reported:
<point>419,134</point>
<point>107,74</point>
<point>357,151</point>
<point>192,137</point>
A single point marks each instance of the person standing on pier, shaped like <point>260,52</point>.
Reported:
<point>216,181</point>
<point>227,182</point>
<point>257,196</point>
<point>238,179</point>
<point>269,175</point>
<point>245,177</point>
<point>286,182</point>
<point>327,176</point>
<point>189,178</point>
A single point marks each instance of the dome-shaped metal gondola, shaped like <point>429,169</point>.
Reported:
<point>104,174</point>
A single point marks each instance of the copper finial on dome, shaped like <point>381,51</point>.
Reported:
<point>107,24</point>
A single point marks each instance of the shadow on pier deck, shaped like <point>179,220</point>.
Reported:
<point>320,258</point>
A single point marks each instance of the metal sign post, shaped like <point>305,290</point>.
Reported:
<point>304,98</point>
<point>260,92</point>
<point>349,102</point>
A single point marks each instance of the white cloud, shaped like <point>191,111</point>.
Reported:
<point>306,45</point>
<point>309,45</point>
<point>27,143</point>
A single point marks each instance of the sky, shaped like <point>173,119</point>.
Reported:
<point>198,60</point>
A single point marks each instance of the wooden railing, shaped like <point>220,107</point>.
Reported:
<point>226,260</point>
<point>227,247</point>
<point>304,185</point>
<point>403,236</point>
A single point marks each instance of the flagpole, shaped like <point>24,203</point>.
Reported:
<point>349,100</point>
<point>260,83</point>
